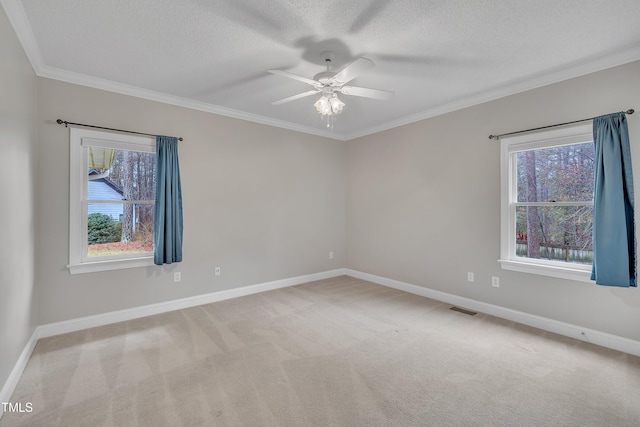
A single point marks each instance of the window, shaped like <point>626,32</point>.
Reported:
<point>547,202</point>
<point>112,194</point>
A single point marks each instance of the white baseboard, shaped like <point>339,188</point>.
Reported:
<point>111,317</point>
<point>11,383</point>
<point>52,329</point>
<point>596,337</point>
<point>583,334</point>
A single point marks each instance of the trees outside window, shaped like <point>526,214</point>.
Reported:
<point>112,198</point>
<point>133,172</point>
<point>549,225</point>
<point>547,202</point>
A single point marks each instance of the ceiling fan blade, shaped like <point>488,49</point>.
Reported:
<point>353,70</point>
<point>294,76</point>
<point>366,92</point>
<point>294,97</point>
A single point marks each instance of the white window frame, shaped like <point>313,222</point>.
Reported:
<point>79,138</point>
<point>509,146</point>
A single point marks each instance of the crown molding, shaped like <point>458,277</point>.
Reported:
<point>18,18</point>
<point>125,89</point>
<point>576,69</point>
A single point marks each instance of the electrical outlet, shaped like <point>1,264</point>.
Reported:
<point>217,271</point>
<point>470,277</point>
<point>177,276</point>
<point>495,281</point>
<point>330,255</point>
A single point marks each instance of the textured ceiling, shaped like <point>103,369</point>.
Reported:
<point>213,55</point>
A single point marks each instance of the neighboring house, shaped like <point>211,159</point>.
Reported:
<point>104,189</point>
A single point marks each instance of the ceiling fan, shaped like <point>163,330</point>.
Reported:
<point>331,83</point>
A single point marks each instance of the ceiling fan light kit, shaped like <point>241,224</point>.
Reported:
<point>336,104</point>
<point>328,105</point>
<point>328,83</point>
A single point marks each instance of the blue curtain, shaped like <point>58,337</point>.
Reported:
<point>614,242</point>
<point>167,225</point>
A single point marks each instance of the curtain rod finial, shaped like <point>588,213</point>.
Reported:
<point>630,111</point>
<point>493,137</point>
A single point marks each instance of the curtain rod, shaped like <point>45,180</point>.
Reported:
<point>66,123</point>
<point>630,111</point>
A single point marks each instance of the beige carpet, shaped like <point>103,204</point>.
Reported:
<point>335,352</point>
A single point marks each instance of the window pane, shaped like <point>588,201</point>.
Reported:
<point>561,174</point>
<point>119,229</point>
<point>559,233</point>
<point>120,174</point>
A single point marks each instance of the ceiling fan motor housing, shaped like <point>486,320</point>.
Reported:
<point>324,77</point>
<point>327,83</point>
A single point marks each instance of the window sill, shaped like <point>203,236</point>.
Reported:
<point>560,272</point>
<point>90,267</point>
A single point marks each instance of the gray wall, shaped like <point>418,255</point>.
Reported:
<point>423,202</point>
<point>420,204</point>
<point>18,142</point>
<point>260,202</point>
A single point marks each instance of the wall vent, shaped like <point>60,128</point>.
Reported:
<point>462,310</point>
